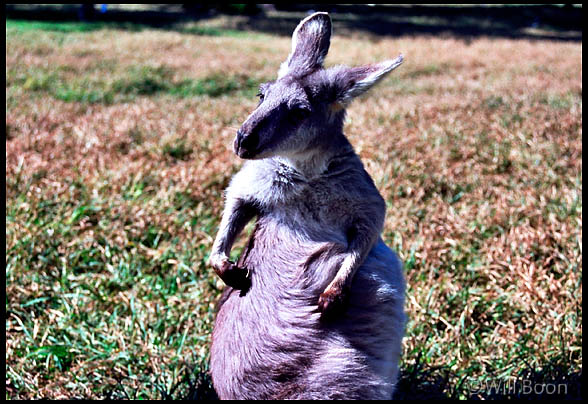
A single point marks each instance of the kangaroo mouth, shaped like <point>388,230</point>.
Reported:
<point>244,153</point>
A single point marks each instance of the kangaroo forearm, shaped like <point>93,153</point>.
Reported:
<point>361,238</point>
<point>353,258</point>
<point>237,214</point>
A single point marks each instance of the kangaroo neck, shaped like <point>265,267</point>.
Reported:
<point>313,163</point>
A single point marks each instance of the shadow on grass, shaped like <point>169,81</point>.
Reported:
<point>420,382</point>
<point>520,21</point>
<point>466,22</point>
<point>191,387</point>
<point>551,381</point>
<point>161,16</point>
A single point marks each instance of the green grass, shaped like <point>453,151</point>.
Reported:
<point>20,26</point>
<point>125,86</point>
<point>14,26</point>
<point>79,299</point>
<point>117,158</point>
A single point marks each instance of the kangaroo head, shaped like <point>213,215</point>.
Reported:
<point>305,106</point>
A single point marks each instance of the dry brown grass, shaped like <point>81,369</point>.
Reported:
<point>476,146</point>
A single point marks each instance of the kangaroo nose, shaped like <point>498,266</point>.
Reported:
<point>238,140</point>
<point>245,143</point>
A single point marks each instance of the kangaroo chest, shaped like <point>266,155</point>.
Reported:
<point>316,205</point>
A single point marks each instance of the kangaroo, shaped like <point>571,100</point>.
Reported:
<point>314,305</point>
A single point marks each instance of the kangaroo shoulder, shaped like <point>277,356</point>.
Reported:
<point>351,175</point>
<point>255,182</point>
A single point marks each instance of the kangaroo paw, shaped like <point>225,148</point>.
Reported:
<point>234,276</point>
<point>332,303</point>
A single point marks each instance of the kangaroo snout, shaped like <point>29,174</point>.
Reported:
<point>245,143</point>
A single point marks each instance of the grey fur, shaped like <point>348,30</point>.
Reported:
<point>314,307</point>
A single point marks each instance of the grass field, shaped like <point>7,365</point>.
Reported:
<point>118,148</point>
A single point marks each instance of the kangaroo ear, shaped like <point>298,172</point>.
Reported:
<point>351,82</point>
<point>310,43</point>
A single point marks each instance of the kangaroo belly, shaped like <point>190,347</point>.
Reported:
<point>270,342</point>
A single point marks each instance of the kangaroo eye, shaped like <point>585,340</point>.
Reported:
<point>297,114</point>
<point>260,95</point>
